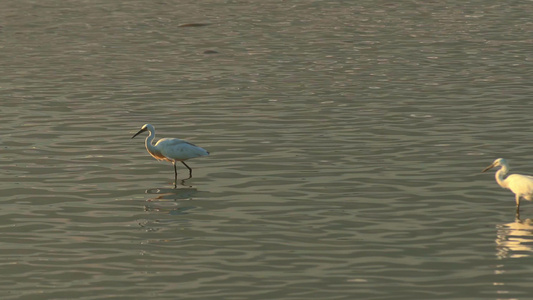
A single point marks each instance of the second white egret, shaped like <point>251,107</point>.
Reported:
<point>172,150</point>
<point>520,185</point>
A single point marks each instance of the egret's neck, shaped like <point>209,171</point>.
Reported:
<point>148,142</point>
<point>500,174</point>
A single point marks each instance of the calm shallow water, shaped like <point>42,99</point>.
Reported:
<point>346,147</point>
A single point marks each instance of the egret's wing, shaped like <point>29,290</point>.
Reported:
<point>177,149</point>
<point>520,184</point>
<point>168,141</point>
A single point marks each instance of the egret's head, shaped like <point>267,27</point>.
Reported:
<point>498,162</point>
<point>144,128</point>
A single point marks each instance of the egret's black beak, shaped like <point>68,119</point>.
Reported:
<point>140,131</point>
<point>488,168</point>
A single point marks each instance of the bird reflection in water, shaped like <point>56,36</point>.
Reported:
<point>515,239</point>
<point>166,200</point>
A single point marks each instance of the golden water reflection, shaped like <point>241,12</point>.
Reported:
<point>515,240</point>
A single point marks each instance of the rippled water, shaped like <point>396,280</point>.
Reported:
<point>346,143</point>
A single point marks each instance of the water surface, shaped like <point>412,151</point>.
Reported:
<point>346,143</point>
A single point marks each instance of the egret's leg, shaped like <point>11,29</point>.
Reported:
<point>175,175</point>
<point>190,170</point>
<point>517,198</point>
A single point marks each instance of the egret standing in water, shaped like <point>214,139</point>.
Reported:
<point>520,185</point>
<point>172,150</point>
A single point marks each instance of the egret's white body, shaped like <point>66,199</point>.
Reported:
<point>172,150</point>
<point>520,185</point>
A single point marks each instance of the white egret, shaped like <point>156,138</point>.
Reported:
<point>172,150</point>
<point>520,185</point>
